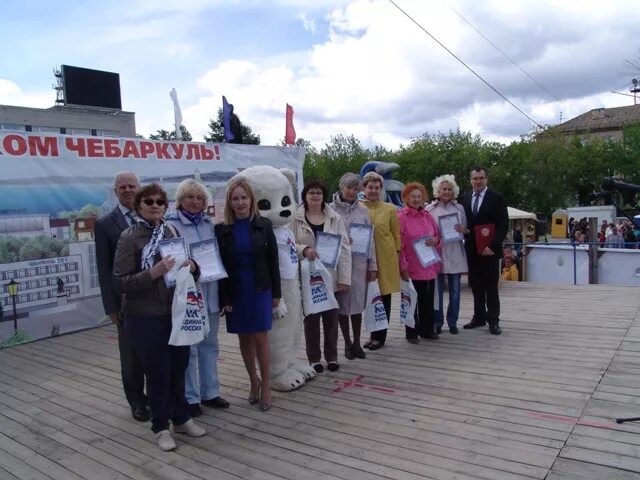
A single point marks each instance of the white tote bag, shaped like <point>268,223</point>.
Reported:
<point>317,288</point>
<point>375,318</point>
<point>189,320</point>
<point>408,302</point>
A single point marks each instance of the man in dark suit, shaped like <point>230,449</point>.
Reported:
<point>107,232</point>
<point>485,207</point>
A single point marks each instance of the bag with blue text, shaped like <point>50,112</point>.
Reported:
<point>189,320</point>
<point>317,288</point>
<point>408,303</point>
<point>375,318</point>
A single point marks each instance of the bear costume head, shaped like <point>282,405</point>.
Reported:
<point>274,192</point>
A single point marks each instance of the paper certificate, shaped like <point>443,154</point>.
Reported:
<point>360,235</point>
<point>447,228</point>
<point>207,256</point>
<point>328,247</point>
<point>427,255</point>
<point>178,251</point>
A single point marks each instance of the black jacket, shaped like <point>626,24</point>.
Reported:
<point>492,210</point>
<point>265,250</point>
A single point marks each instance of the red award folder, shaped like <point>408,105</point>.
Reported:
<point>483,235</point>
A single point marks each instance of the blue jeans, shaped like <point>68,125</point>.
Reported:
<point>453,281</point>
<point>201,378</point>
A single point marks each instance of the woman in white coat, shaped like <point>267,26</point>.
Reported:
<point>352,302</point>
<point>454,258</point>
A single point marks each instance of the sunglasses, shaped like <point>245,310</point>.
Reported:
<point>150,201</point>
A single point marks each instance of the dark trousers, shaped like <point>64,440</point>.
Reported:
<point>165,367</point>
<point>424,311</point>
<point>381,335</point>
<point>312,335</point>
<point>131,369</point>
<point>484,273</point>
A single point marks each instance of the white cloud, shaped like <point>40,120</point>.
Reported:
<point>309,24</point>
<point>12,94</point>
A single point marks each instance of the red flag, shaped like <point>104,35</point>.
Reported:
<point>290,132</point>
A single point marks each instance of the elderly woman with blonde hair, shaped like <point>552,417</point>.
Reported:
<point>454,258</point>
<point>191,220</point>
<point>386,235</point>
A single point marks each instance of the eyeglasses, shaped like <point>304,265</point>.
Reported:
<point>314,192</point>
<point>150,201</point>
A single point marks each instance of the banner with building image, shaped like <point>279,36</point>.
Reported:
<point>52,189</point>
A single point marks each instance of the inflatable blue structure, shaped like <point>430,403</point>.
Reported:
<point>392,188</point>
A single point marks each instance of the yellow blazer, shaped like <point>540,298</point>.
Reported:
<point>386,233</point>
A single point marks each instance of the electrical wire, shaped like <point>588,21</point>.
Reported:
<point>465,65</point>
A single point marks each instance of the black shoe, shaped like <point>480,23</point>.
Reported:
<point>474,324</point>
<point>431,336</point>
<point>438,330</point>
<point>375,346</point>
<point>194,410</point>
<point>454,330</point>
<point>348,352</point>
<point>368,343</point>
<point>333,366</point>
<point>357,349</point>
<point>495,329</point>
<point>318,367</point>
<point>415,340</point>
<point>217,402</point>
<point>140,413</point>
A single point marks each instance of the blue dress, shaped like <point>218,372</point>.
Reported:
<point>251,309</point>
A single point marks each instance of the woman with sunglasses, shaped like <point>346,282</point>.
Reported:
<point>138,274</point>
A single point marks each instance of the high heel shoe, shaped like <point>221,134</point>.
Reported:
<point>253,399</point>
<point>264,406</point>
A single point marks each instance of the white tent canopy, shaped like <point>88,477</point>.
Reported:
<point>515,214</point>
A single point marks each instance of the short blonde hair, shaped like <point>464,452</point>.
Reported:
<point>438,181</point>
<point>373,177</point>
<point>190,186</point>
<point>229,216</point>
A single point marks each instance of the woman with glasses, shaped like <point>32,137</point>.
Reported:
<point>315,216</point>
<point>138,273</point>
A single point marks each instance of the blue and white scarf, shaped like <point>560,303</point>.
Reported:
<point>151,249</point>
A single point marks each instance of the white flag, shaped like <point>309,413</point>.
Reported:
<point>177,113</point>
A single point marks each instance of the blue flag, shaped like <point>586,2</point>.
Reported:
<point>227,110</point>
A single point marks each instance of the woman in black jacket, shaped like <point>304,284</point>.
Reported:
<point>250,255</point>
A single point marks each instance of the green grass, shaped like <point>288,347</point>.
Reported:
<point>16,338</point>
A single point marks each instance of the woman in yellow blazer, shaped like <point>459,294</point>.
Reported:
<point>386,231</point>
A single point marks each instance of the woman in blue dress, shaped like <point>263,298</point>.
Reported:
<point>250,255</point>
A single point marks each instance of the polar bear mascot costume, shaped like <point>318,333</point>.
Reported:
<point>273,189</point>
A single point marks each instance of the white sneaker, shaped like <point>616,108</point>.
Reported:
<point>190,428</point>
<point>165,442</point>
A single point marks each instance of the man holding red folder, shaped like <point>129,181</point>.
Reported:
<point>487,226</point>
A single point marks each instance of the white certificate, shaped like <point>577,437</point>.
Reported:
<point>207,256</point>
<point>447,228</point>
<point>327,247</point>
<point>426,254</point>
<point>360,235</point>
<point>175,247</point>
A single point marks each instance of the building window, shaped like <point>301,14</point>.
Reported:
<point>80,131</point>
<point>14,127</point>
<point>46,129</point>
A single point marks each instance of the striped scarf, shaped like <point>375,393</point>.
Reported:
<point>151,249</point>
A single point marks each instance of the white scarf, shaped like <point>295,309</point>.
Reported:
<point>151,249</point>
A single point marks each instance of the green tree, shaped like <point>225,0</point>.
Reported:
<point>216,131</point>
<point>40,247</point>
<point>171,135</point>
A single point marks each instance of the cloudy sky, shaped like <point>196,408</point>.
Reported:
<point>353,67</point>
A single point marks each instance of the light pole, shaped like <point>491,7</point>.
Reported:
<point>12,288</point>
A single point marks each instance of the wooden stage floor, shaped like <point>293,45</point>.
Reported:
<point>540,401</point>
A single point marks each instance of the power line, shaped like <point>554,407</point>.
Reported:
<point>465,65</point>
<point>504,54</point>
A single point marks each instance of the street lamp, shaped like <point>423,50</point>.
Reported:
<point>12,288</point>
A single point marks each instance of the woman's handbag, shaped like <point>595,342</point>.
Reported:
<point>408,302</point>
<point>375,317</point>
<point>317,288</point>
<point>189,320</point>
